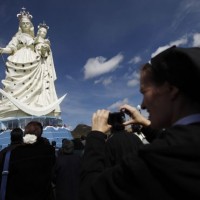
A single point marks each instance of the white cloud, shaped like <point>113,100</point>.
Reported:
<point>107,81</point>
<point>115,106</point>
<point>196,40</point>
<point>183,40</point>
<point>184,11</point>
<point>98,81</point>
<point>145,113</point>
<point>134,81</point>
<point>104,81</point>
<point>97,66</point>
<point>135,60</point>
<point>178,42</point>
<point>69,77</point>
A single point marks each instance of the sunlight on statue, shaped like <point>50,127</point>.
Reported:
<point>28,88</point>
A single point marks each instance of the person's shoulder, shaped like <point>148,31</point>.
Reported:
<point>32,150</point>
<point>43,140</point>
<point>3,151</point>
<point>10,148</point>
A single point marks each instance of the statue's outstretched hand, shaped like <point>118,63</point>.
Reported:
<point>5,50</point>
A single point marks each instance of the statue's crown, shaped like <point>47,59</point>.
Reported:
<point>43,25</point>
<point>24,14</point>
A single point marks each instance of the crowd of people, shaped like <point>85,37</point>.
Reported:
<point>37,170</point>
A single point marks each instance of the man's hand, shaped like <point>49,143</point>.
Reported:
<point>135,116</point>
<point>100,121</point>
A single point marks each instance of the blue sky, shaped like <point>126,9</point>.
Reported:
<point>99,45</point>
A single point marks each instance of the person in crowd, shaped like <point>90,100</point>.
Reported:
<point>54,144</point>
<point>79,134</point>
<point>35,128</point>
<point>83,139</point>
<point>119,142</point>
<point>16,138</point>
<point>136,129</point>
<point>31,166</point>
<point>78,146</point>
<point>67,172</point>
<point>169,166</point>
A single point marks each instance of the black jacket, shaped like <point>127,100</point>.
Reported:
<point>168,168</point>
<point>30,172</point>
<point>67,176</point>
<point>120,144</point>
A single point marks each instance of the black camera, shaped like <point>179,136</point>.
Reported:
<point>116,120</point>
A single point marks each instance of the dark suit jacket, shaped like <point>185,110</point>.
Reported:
<point>67,176</point>
<point>120,144</point>
<point>30,172</point>
<point>168,168</point>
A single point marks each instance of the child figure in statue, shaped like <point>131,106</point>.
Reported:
<point>42,45</point>
<point>43,49</point>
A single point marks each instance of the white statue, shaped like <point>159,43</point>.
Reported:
<point>42,45</point>
<point>29,83</point>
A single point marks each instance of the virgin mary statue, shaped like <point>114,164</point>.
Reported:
<point>28,88</point>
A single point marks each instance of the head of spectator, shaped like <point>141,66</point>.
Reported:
<point>67,146</point>
<point>170,82</point>
<point>81,130</point>
<point>16,136</point>
<point>34,128</point>
<point>33,132</point>
<point>53,143</point>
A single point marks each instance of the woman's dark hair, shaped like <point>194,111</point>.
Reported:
<point>34,128</point>
<point>178,66</point>
<point>16,135</point>
<point>67,146</point>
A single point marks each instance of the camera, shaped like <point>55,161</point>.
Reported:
<point>116,120</point>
